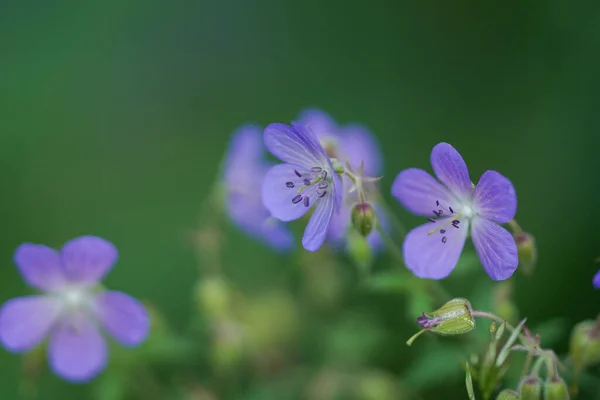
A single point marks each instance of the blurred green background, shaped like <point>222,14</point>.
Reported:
<point>115,115</point>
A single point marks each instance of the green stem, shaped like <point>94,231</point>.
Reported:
<point>524,339</point>
<point>389,242</point>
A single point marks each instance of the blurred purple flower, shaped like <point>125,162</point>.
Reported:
<point>72,308</point>
<point>353,144</point>
<point>432,250</point>
<point>245,170</point>
<point>306,179</point>
<point>596,280</point>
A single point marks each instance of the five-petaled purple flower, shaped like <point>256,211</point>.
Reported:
<point>244,171</point>
<point>73,309</point>
<point>306,179</point>
<point>353,144</point>
<point>596,280</point>
<point>454,208</point>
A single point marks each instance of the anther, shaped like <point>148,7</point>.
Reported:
<point>437,203</point>
<point>451,210</point>
<point>289,184</point>
<point>444,239</point>
<point>306,201</point>
<point>323,193</point>
<point>431,220</point>
<point>297,199</point>
<point>442,231</point>
<point>438,213</point>
<point>316,170</point>
<point>298,173</point>
<point>306,182</point>
<point>323,185</point>
<point>324,175</point>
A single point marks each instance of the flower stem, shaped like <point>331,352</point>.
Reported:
<point>514,226</point>
<point>483,314</point>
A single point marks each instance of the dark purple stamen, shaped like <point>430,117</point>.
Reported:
<point>306,182</point>
<point>442,231</point>
<point>451,210</point>
<point>444,239</point>
<point>324,175</point>
<point>323,185</point>
<point>431,220</point>
<point>323,193</point>
<point>306,201</point>
<point>437,203</point>
<point>438,213</point>
<point>298,173</point>
<point>297,199</point>
<point>316,170</point>
<point>289,184</point>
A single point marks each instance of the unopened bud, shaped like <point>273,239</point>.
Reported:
<point>584,346</point>
<point>527,252</point>
<point>364,218</point>
<point>530,388</point>
<point>213,297</point>
<point>556,389</point>
<point>508,394</point>
<point>453,318</point>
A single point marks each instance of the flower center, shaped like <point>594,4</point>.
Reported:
<point>453,216</point>
<point>74,299</point>
<point>307,183</point>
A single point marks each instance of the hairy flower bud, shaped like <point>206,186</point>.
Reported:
<point>556,389</point>
<point>453,318</point>
<point>364,218</point>
<point>527,252</point>
<point>584,346</point>
<point>508,394</point>
<point>530,388</point>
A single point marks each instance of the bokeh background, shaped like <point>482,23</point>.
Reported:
<point>115,116</point>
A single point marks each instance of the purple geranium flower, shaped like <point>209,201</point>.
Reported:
<point>306,179</point>
<point>353,144</point>
<point>596,280</point>
<point>432,250</point>
<point>245,170</point>
<point>72,309</point>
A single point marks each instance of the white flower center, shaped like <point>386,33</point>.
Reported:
<point>467,211</point>
<point>74,299</point>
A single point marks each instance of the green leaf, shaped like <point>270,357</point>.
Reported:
<point>509,343</point>
<point>469,382</point>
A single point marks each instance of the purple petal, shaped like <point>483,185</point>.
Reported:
<point>123,317</point>
<point>596,280</point>
<point>427,256</point>
<point>244,156</point>
<point>496,248</point>
<point>316,230</point>
<point>277,197</point>
<point>451,170</point>
<point>88,258</point>
<point>419,192</point>
<point>77,350</point>
<point>319,122</point>
<point>275,234</point>
<point>40,266</point>
<point>495,197</point>
<point>358,144</point>
<point>25,321</point>
<point>294,145</point>
<point>339,225</point>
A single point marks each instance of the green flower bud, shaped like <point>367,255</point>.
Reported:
<point>584,346</point>
<point>213,297</point>
<point>453,318</point>
<point>337,166</point>
<point>530,388</point>
<point>527,252</point>
<point>508,394</point>
<point>364,218</point>
<point>556,389</point>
